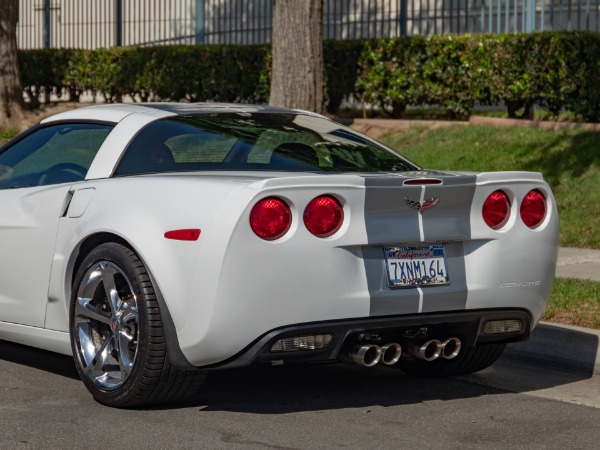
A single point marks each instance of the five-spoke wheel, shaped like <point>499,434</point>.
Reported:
<point>106,325</point>
<point>117,334</point>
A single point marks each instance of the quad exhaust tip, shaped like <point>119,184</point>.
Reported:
<point>366,355</point>
<point>428,350</point>
<point>451,348</point>
<point>434,349</point>
<point>369,355</point>
<point>390,353</point>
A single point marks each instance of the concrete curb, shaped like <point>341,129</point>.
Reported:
<point>376,128</point>
<point>544,124</point>
<point>560,346</point>
<point>389,125</point>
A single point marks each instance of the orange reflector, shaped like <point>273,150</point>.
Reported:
<point>183,235</point>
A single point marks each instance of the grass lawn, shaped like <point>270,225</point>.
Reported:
<point>574,302</point>
<point>569,161</point>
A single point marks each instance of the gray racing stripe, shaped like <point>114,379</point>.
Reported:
<point>390,221</point>
<point>451,297</point>
<point>449,219</point>
<point>386,301</point>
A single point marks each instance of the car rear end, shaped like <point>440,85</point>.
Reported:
<point>450,259</point>
<point>329,246</point>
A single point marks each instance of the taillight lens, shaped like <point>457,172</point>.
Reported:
<point>496,210</point>
<point>270,218</point>
<point>533,209</point>
<point>323,216</point>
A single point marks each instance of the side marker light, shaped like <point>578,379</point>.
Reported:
<point>191,234</point>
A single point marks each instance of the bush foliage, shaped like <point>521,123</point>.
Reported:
<point>196,73</point>
<point>556,71</point>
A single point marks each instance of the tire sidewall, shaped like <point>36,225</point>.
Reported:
<point>121,257</point>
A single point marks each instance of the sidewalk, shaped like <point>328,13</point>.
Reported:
<point>578,263</point>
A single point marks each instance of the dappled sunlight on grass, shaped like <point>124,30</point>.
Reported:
<point>568,159</point>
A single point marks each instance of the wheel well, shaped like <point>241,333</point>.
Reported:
<point>175,355</point>
<point>91,243</point>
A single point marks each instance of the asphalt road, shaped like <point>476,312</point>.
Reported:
<point>44,405</point>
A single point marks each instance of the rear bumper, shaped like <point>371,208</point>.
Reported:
<point>468,326</point>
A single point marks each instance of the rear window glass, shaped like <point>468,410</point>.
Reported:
<point>257,142</point>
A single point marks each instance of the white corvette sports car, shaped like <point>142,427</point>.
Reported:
<point>158,242</point>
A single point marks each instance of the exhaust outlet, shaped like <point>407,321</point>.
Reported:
<point>451,348</point>
<point>366,355</point>
<point>427,351</point>
<point>390,353</point>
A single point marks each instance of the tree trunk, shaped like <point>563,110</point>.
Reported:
<point>12,106</point>
<point>297,75</point>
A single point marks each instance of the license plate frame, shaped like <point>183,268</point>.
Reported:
<point>416,265</point>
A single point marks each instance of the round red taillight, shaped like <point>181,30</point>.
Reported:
<point>270,218</point>
<point>496,210</point>
<point>323,216</point>
<point>533,209</point>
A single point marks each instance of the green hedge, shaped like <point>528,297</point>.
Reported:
<point>45,71</point>
<point>556,71</point>
<point>197,73</point>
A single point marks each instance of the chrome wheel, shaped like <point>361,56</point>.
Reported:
<point>117,333</point>
<point>106,325</point>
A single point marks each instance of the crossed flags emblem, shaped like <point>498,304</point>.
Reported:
<point>422,206</point>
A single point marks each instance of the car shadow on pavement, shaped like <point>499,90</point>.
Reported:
<point>265,389</point>
<point>559,346</point>
<point>289,389</point>
<point>39,359</point>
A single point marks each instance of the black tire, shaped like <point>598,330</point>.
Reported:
<point>119,346</point>
<point>469,360</point>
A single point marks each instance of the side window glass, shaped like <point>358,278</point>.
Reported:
<point>51,155</point>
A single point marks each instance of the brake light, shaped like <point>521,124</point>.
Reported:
<point>323,216</point>
<point>496,210</point>
<point>270,218</point>
<point>533,209</point>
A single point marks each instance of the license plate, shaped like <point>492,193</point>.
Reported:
<point>416,265</point>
